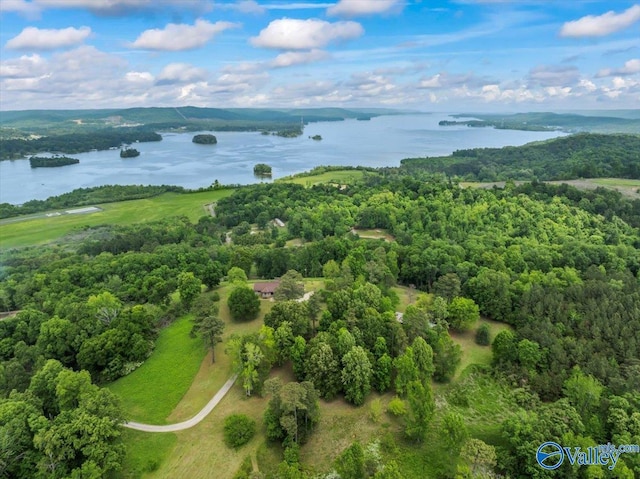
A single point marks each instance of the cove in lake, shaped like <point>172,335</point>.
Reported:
<point>382,141</point>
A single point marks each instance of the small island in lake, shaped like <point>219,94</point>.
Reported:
<point>42,162</point>
<point>290,133</point>
<point>316,137</point>
<point>262,170</point>
<point>205,139</point>
<point>129,153</point>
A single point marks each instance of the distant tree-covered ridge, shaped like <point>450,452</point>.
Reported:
<point>205,139</point>
<point>584,155</point>
<point>76,142</point>
<point>43,162</point>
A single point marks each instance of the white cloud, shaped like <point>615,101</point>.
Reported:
<point>288,59</point>
<point>297,6</point>
<point>433,82</point>
<point>249,6</point>
<point>124,7</point>
<point>177,37</point>
<point>139,77</point>
<point>32,38</point>
<point>352,8</point>
<point>601,25</point>
<point>554,76</point>
<point>293,34</point>
<point>630,67</point>
<point>23,67</point>
<point>180,73</point>
<point>28,9</point>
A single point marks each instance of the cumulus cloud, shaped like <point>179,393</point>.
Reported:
<point>32,38</point>
<point>177,37</point>
<point>601,25</point>
<point>28,9</point>
<point>553,76</point>
<point>352,8</point>
<point>23,67</point>
<point>139,77</point>
<point>180,73</point>
<point>293,34</point>
<point>289,59</point>
<point>630,67</point>
<point>124,7</point>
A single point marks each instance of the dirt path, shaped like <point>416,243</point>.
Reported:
<point>204,412</point>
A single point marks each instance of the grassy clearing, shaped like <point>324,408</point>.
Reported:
<point>33,231</point>
<point>200,452</point>
<point>473,353</point>
<point>628,188</point>
<point>152,391</point>
<point>374,234</point>
<point>407,296</point>
<point>616,182</point>
<point>339,177</point>
<point>145,451</point>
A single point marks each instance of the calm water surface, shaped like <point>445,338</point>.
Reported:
<point>175,160</point>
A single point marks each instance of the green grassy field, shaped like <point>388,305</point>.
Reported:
<point>616,182</point>
<point>472,353</point>
<point>152,391</point>
<point>339,177</point>
<point>42,230</point>
<point>145,452</point>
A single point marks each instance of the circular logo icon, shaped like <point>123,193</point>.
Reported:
<point>550,455</point>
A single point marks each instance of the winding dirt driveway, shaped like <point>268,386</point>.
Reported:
<point>204,412</point>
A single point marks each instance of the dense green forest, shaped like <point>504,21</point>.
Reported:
<point>76,142</point>
<point>50,162</point>
<point>571,157</point>
<point>559,265</point>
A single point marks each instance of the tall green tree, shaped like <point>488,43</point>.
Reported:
<point>463,314</point>
<point>211,329</point>
<point>189,288</point>
<point>421,407</point>
<point>356,375</point>
<point>243,304</point>
<point>291,286</point>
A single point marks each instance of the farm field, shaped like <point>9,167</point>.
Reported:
<point>40,230</point>
<point>629,188</point>
<point>30,230</point>
<point>339,177</point>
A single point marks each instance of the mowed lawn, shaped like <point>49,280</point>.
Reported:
<point>33,231</point>
<point>152,391</point>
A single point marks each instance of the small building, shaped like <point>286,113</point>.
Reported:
<point>266,290</point>
<point>279,222</point>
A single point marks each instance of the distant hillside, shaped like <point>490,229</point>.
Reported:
<point>594,122</point>
<point>188,117</point>
<point>584,155</point>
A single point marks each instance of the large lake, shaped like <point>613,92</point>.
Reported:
<point>175,160</point>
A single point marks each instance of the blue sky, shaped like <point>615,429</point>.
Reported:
<point>444,55</point>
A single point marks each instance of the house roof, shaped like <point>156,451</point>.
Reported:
<point>266,287</point>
